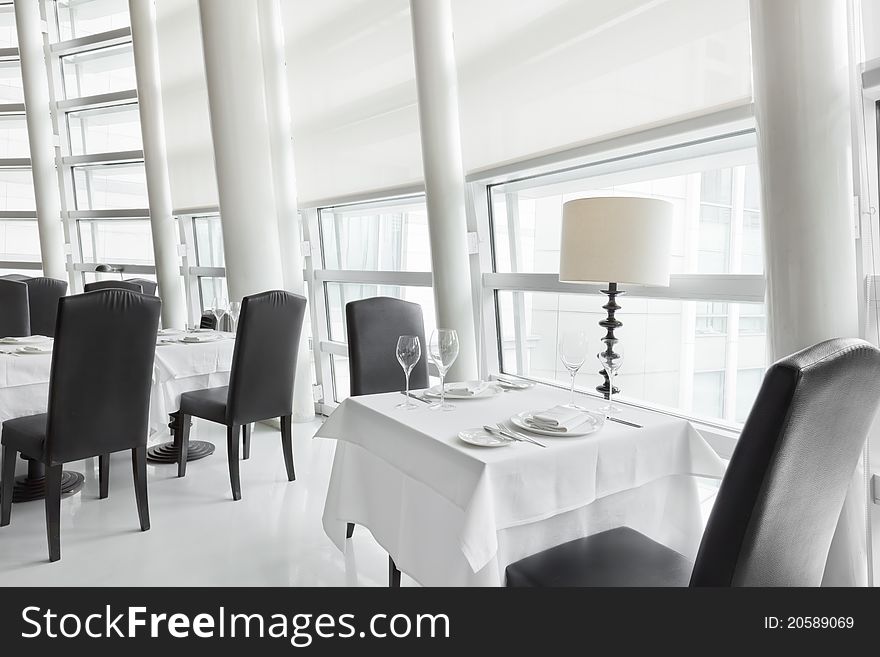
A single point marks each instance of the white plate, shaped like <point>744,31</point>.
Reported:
<point>594,422</point>
<point>481,438</point>
<point>490,391</point>
<point>514,385</point>
<point>196,339</point>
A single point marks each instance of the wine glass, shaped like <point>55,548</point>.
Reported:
<point>218,308</point>
<point>573,354</point>
<point>409,352</point>
<point>610,358</point>
<point>234,312</point>
<point>443,350</point>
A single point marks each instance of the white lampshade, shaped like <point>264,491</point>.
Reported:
<point>616,240</point>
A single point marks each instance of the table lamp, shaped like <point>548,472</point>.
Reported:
<point>615,240</point>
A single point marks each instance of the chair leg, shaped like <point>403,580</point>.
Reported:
<point>287,445</point>
<point>139,469</point>
<point>53,510</point>
<point>393,574</point>
<point>349,530</point>
<point>8,484</point>
<point>245,442</point>
<point>232,454</point>
<point>104,476</point>
<point>181,435</point>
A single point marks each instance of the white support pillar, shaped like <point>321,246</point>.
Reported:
<point>162,222</point>
<point>242,148</point>
<point>281,132</point>
<point>802,96</point>
<point>41,137</point>
<point>437,83</point>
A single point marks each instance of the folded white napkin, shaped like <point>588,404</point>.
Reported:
<point>558,418</point>
<point>26,339</point>
<point>201,337</point>
<point>170,331</point>
<point>467,388</point>
<point>35,349</point>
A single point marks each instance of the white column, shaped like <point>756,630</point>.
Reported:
<point>437,83</point>
<point>281,132</point>
<point>242,149</point>
<point>162,223</point>
<point>801,80</point>
<point>41,137</point>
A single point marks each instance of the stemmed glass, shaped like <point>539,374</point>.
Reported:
<point>409,352</point>
<point>219,310</point>
<point>573,353</point>
<point>234,312</point>
<point>610,357</point>
<point>443,350</point>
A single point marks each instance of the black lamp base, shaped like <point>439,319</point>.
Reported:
<point>609,324</point>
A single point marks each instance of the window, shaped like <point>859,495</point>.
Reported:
<point>110,186</point>
<point>98,71</point>
<point>369,249</point>
<point>13,136</point>
<point>8,35</point>
<point>19,241</point>
<point>685,346</point>
<point>116,241</point>
<point>79,18</point>
<point>10,82</point>
<point>16,189</point>
<point>105,130</point>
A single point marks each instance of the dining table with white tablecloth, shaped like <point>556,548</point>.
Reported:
<point>178,367</point>
<point>454,514</point>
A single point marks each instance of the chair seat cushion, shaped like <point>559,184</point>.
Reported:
<point>208,404</point>
<point>26,435</point>
<point>618,557</point>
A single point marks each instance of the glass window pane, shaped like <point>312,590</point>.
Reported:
<point>98,71</point>
<point>339,294</point>
<point>19,241</point>
<point>209,241</point>
<point>8,35</point>
<point>10,83</point>
<point>79,18</point>
<point>668,354</point>
<point>13,136</point>
<point>118,241</point>
<point>110,187</point>
<point>527,217</point>
<point>105,130</point>
<point>385,239</point>
<point>211,288</point>
<point>16,189</point>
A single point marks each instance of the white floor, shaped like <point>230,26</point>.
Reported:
<point>199,536</point>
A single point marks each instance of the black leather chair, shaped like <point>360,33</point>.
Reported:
<point>208,321</point>
<point>14,277</point>
<point>149,287</point>
<point>43,296</point>
<point>373,326</point>
<point>113,285</point>
<point>14,316</point>
<point>260,382</point>
<point>779,502</point>
<point>99,399</point>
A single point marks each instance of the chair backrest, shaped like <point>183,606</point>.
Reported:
<point>43,296</point>
<point>782,495</point>
<point>149,287</point>
<point>102,367</point>
<point>208,321</point>
<point>264,360</point>
<point>14,277</point>
<point>113,285</point>
<point>373,326</point>
<point>14,316</point>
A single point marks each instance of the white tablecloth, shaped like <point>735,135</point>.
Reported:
<point>453,514</point>
<point>178,368</point>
